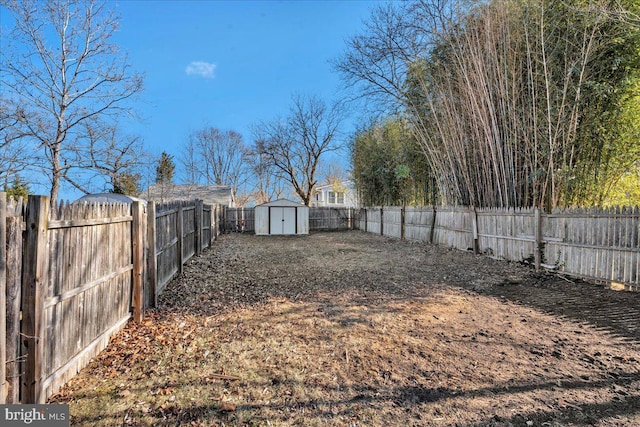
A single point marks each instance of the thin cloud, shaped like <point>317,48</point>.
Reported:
<point>201,68</point>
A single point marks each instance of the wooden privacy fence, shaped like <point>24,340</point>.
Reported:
<point>599,244</point>
<point>70,277</point>
<point>182,229</point>
<point>239,220</point>
<point>320,218</point>
<point>329,218</point>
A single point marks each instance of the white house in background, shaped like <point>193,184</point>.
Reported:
<point>338,194</point>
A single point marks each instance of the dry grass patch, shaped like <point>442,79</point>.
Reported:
<point>282,351</point>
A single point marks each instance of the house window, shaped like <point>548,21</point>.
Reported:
<point>336,198</point>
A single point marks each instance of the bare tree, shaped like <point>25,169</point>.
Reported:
<point>60,65</point>
<point>268,185</point>
<point>294,146</point>
<point>12,148</point>
<point>215,157</point>
<point>115,161</point>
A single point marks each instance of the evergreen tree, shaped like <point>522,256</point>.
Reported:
<point>19,188</point>
<point>165,169</point>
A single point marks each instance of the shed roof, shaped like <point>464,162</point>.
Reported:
<point>283,202</point>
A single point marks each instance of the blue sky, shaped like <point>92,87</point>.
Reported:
<point>231,64</point>
<point>227,64</point>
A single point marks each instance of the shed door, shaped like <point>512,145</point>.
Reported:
<point>282,220</point>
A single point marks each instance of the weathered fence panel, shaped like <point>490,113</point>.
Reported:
<point>374,219</point>
<point>419,223</point>
<point>454,228</point>
<point>166,244</point>
<point>89,282</point>
<point>182,230</point>
<point>76,276</point>
<point>600,244</point>
<point>507,234</point>
<point>188,232</point>
<point>360,222</point>
<point>393,221</point>
<point>329,218</point>
<point>240,220</point>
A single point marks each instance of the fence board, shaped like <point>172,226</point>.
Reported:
<point>34,282</point>
<point>151,290</point>
<point>138,232</point>
<point>3,297</point>
<point>374,219</point>
<point>188,233</point>
<point>207,220</point>
<point>392,220</point>
<point>14,300</point>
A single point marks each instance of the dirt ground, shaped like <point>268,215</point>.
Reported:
<point>352,329</point>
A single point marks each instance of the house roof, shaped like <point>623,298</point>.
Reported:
<point>347,184</point>
<point>109,198</point>
<point>210,194</point>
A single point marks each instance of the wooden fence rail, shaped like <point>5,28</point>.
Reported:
<point>598,244</point>
<point>72,276</point>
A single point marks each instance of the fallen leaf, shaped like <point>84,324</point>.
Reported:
<point>227,407</point>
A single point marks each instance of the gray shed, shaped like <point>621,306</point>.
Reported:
<point>282,217</point>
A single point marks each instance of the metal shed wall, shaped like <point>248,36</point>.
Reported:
<point>264,212</point>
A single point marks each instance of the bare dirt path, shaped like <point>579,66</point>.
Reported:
<point>353,329</point>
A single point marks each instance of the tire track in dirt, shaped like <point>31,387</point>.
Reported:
<point>617,312</point>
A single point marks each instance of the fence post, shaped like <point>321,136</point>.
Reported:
<point>474,225</point>
<point>214,223</point>
<point>138,232</point>
<point>179,229</point>
<point>537,224</point>
<point>382,220</point>
<point>433,226</point>
<point>14,300</point>
<point>223,219</point>
<point>199,223</point>
<point>152,260</point>
<point>366,221</point>
<point>402,212</point>
<point>3,296</point>
<point>34,281</point>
